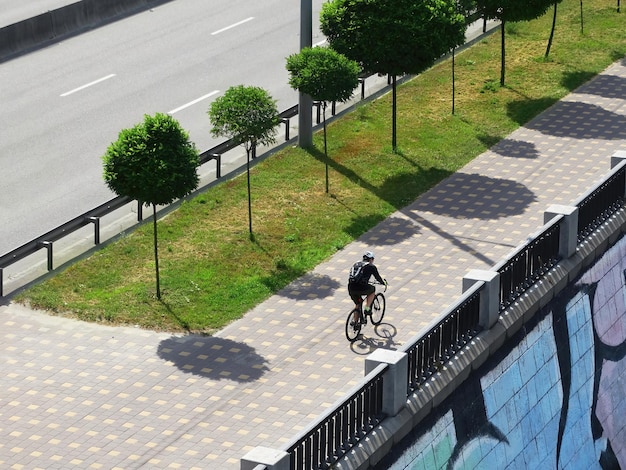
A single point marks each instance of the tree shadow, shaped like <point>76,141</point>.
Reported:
<point>574,79</point>
<point>474,196</point>
<point>310,286</point>
<point>578,120</point>
<point>418,180</point>
<point>606,86</point>
<point>523,110</point>
<point>515,149</point>
<point>390,231</point>
<point>213,357</point>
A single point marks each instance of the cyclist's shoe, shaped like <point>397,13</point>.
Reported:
<point>363,321</point>
<point>354,324</point>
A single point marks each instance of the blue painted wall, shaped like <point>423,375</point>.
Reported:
<point>553,397</point>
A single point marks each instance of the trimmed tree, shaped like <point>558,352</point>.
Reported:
<point>393,38</point>
<point>154,163</point>
<point>326,76</point>
<point>247,115</point>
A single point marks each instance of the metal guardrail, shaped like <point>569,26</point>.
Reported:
<point>529,264</point>
<point>601,203</point>
<point>342,428</point>
<point>441,342</point>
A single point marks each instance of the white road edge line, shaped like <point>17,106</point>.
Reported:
<point>191,103</point>
<point>319,44</point>
<point>232,26</point>
<point>88,85</point>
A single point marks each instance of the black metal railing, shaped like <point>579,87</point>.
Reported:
<point>342,429</point>
<point>601,203</point>
<point>442,341</point>
<point>529,264</point>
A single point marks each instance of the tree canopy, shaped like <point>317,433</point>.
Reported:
<point>323,74</point>
<point>246,114</point>
<point>153,162</point>
<point>393,37</point>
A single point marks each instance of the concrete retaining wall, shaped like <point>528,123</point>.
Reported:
<point>66,21</point>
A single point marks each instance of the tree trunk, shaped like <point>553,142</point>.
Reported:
<point>503,55</point>
<point>248,150</point>
<point>551,31</point>
<point>453,88</point>
<point>581,17</point>
<point>393,113</point>
<point>156,252</point>
<point>325,146</point>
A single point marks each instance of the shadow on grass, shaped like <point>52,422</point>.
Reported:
<point>523,110</point>
<point>213,357</point>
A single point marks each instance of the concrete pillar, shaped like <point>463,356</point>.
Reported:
<point>394,379</point>
<point>568,238</point>
<point>489,295</point>
<point>273,459</point>
<point>617,158</point>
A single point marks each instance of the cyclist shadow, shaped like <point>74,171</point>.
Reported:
<point>382,338</point>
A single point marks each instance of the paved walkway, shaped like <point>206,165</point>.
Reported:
<point>78,395</point>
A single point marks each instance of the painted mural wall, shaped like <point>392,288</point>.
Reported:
<point>553,397</point>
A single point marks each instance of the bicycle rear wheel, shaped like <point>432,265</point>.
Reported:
<point>378,309</point>
<point>352,330</point>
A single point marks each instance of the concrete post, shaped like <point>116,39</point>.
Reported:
<point>273,459</point>
<point>489,295</point>
<point>617,158</point>
<point>394,379</point>
<point>568,238</point>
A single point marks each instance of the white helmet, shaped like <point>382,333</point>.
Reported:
<point>368,255</point>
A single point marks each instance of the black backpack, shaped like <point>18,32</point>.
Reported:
<point>356,272</point>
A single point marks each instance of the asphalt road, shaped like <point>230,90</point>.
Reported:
<point>63,105</point>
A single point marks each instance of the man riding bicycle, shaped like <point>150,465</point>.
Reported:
<point>358,282</point>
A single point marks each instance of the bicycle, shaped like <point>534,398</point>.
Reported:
<point>376,314</point>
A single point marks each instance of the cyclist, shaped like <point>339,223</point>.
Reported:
<point>358,283</point>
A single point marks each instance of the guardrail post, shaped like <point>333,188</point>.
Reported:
<point>394,378</point>
<point>272,459</point>
<point>96,231</point>
<point>362,82</point>
<point>139,211</point>
<point>489,295</point>
<point>568,234</point>
<point>333,108</point>
<point>1,283</point>
<point>318,111</point>
<point>48,247</point>
<point>218,164</point>
<point>285,121</point>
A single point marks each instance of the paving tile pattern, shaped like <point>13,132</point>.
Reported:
<point>78,395</point>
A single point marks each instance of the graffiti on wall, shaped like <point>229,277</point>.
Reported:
<point>554,396</point>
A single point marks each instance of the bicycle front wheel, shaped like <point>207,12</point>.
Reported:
<point>352,329</point>
<point>378,309</point>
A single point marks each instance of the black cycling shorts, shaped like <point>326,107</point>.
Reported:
<point>356,291</point>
